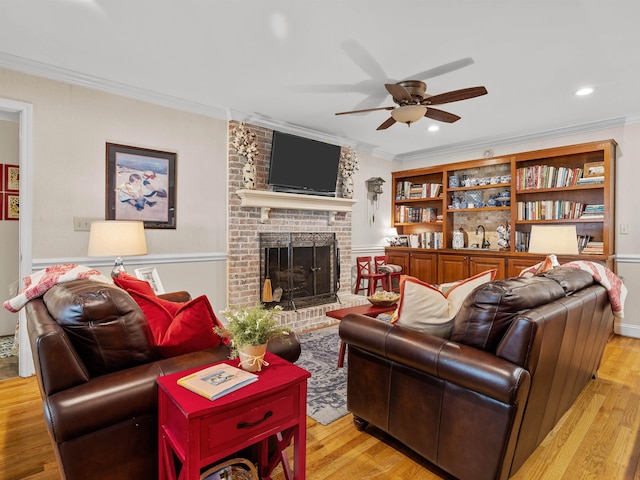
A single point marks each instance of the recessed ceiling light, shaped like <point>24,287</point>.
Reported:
<point>433,128</point>
<point>585,91</point>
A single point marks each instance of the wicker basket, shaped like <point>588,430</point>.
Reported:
<point>233,469</point>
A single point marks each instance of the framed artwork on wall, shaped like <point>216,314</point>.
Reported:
<point>150,275</point>
<point>141,185</point>
<point>11,178</point>
<point>1,182</point>
<point>11,206</point>
<point>1,205</point>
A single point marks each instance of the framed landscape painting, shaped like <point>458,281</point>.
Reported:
<point>141,185</point>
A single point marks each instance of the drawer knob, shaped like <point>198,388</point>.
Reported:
<point>257,422</point>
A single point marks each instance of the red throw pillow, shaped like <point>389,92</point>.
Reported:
<point>130,283</point>
<point>180,327</point>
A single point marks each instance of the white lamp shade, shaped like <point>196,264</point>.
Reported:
<point>553,239</point>
<point>116,238</point>
<point>408,113</point>
<point>393,232</point>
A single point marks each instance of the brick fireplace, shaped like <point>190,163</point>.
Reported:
<point>245,226</point>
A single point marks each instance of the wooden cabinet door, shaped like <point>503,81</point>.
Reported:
<point>398,258</point>
<point>516,265</point>
<point>481,264</point>
<point>424,266</point>
<point>452,268</point>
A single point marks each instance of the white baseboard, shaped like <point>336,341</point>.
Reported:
<point>627,330</point>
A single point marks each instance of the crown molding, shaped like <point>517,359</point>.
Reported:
<point>72,77</point>
<point>494,142</point>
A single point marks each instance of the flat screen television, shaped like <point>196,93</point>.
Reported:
<point>302,165</point>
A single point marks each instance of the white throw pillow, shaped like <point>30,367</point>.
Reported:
<point>430,309</point>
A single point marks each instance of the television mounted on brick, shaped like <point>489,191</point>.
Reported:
<point>302,165</point>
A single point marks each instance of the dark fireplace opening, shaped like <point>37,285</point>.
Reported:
<point>303,268</point>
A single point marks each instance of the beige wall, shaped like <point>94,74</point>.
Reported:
<point>8,229</point>
<point>71,126</point>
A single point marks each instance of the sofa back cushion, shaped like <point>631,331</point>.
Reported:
<point>488,311</point>
<point>103,323</point>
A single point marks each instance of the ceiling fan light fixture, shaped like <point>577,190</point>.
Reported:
<point>409,113</point>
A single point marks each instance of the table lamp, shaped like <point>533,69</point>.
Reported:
<point>117,238</point>
<point>553,240</point>
<point>393,236</point>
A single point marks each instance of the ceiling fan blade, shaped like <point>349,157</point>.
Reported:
<point>363,59</point>
<point>455,96</point>
<point>442,69</point>
<point>441,115</point>
<point>365,110</point>
<point>387,123</point>
<point>399,93</point>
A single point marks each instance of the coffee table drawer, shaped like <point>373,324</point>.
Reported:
<point>233,426</point>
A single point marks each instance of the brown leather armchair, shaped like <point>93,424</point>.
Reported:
<point>97,366</point>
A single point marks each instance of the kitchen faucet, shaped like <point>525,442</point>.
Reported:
<point>485,243</point>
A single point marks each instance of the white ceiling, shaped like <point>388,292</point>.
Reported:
<point>290,65</point>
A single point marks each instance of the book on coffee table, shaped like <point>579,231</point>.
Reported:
<point>217,380</point>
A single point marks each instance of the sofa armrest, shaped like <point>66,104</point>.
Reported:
<point>110,399</point>
<point>179,297</point>
<point>468,367</point>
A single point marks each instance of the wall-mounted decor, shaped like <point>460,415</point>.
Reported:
<point>150,275</point>
<point>141,185</point>
<point>1,205</point>
<point>1,182</point>
<point>11,206</point>
<point>11,178</point>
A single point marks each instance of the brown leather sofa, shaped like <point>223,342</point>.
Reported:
<point>478,404</point>
<point>97,377</point>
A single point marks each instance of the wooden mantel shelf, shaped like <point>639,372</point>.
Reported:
<point>266,200</point>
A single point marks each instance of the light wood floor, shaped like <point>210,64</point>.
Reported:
<point>599,438</point>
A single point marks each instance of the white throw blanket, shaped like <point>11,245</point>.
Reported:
<point>36,284</point>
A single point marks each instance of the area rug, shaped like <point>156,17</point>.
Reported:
<point>7,347</point>
<point>327,387</point>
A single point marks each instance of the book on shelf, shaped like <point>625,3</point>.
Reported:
<point>591,180</point>
<point>217,380</point>
<point>593,248</point>
<point>409,190</point>
<point>583,240</point>
<point>593,211</point>
<point>547,176</point>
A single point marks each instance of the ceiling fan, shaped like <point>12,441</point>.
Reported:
<point>414,103</point>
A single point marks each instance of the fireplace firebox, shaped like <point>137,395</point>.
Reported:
<point>303,268</point>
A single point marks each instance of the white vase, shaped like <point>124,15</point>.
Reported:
<point>249,175</point>
<point>252,357</point>
<point>347,187</point>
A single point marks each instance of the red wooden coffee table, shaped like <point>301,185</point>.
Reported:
<point>369,310</point>
<point>199,432</point>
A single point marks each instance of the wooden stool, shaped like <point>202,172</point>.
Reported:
<point>391,271</point>
<point>365,273</point>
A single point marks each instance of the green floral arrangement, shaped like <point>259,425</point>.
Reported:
<point>251,326</point>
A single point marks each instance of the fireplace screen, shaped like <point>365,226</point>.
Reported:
<point>301,267</point>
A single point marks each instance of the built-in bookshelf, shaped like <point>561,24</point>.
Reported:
<point>564,185</point>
